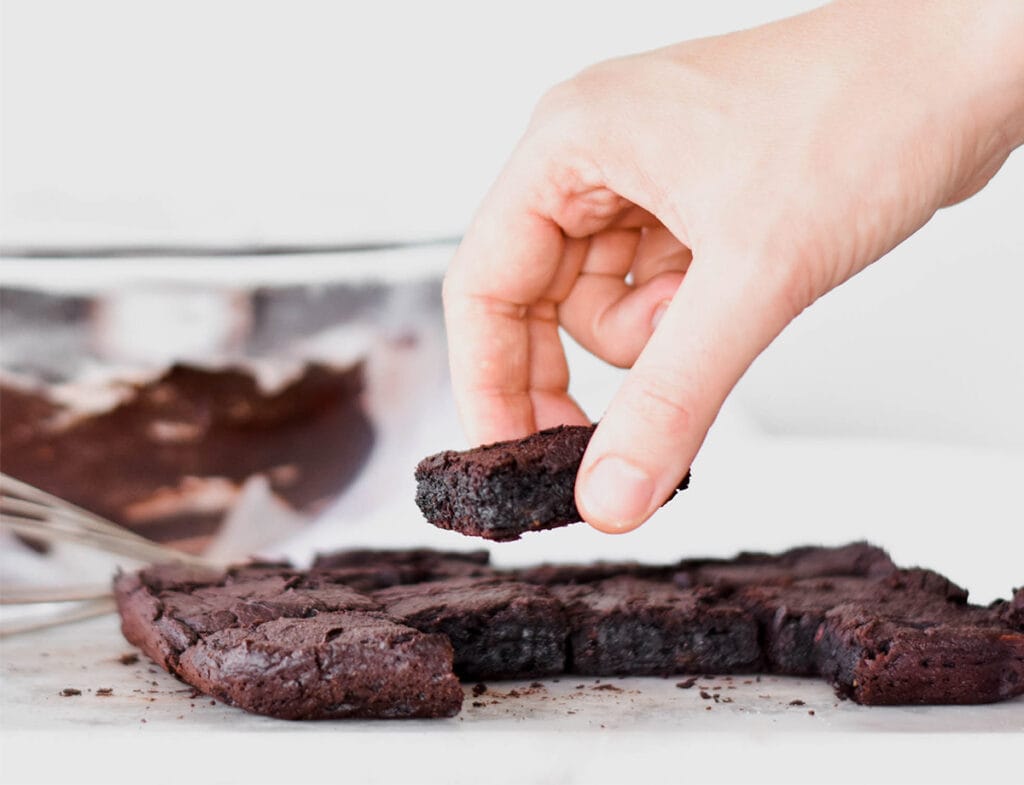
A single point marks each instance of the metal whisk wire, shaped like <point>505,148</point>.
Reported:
<point>33,513</point>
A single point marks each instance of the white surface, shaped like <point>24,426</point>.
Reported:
<point>563,725</point>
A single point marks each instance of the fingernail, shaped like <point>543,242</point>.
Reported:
<point>616,494</point>
<point>658,313</point>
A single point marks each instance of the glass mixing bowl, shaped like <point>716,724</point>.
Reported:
<point>163,393</point>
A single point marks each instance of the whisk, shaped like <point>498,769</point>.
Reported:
<point>41,516</point>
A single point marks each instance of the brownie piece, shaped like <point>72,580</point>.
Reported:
<point>856,558</point>
<point>789,615</point>
<point>427,557</point>
<point>631,626</point>
<point>499,491</point>
<point>368,570</point>
<point>553,574</point>
<point>1012,611</point>
<point>329,666</point>
<point>286,645</point>
<point>499,629</point>
<point>915,648</point>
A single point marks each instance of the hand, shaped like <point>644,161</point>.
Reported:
<point>675,210</point>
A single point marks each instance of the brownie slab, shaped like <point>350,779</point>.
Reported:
<point>331,666</point>
<point>633,627</point>
<point>499,629</point>
<point>853,559</point>
<point>790,615</point>
<point>919,649</point>
<point>554,574</point>
<point>502,490</point>
<point>368,569</point>
<point>286,645</point>
<point>312,644</point>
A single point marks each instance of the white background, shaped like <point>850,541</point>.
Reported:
<point>890,410</point>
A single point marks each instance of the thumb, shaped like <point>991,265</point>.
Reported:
<point>723,315</point>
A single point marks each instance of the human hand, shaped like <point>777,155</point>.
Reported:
<point>675,210</point>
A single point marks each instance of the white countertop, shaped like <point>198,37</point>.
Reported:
<point>569,730</point>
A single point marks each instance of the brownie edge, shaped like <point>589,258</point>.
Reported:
<point>500,491</point>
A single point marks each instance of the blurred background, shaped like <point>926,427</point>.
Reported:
<point>224,226</point>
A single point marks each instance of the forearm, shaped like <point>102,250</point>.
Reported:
<point>964,55</point>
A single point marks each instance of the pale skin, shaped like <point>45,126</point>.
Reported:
<point>674,210</point>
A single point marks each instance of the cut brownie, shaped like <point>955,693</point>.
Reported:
<point>329,666</point>
<point>856,558</point>
<point>499,491</point>
<point>553,574</point>
<point>631,626</point>
<point>917,648</point>
<point>499,629</point>
<point>307,644</point>
<point>1012,611</point>
<point>368,570</point>
<point>286,646</point>
<point>790,614</point>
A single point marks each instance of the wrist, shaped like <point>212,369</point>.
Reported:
<point>970,52</point>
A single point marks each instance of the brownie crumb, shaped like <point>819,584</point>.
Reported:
<point>129,658</point>
<point>686,684</point>
<point>707,708</point>
<point>796,703</point>
<point>479,689</point>
<point>513,694</point>
<point>537,685</point>
<point>580,686</point>
<point>811,712</point>
<point>705,695</point>
<point>68,692</point>
<point>478,704</point>
<point>105,691</point>
<point>607,687</point>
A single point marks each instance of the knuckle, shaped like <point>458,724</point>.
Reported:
<point>564,105</point>
<point>664,406</point>
<point>577,100</point>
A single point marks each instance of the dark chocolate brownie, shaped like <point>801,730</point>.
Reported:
<point>307,644</point>
<point>286,646</point>
<point>499,629</point>
<point>856,558</point>
<point>552,574</point>
<point>499,491</point>
<point>1012,610</point>
<point>789,615</point>
<point>369,570</point>
<point>332,665</point>
<point>915,648</point>
<point>631,626</point>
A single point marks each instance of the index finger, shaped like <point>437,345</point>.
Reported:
<point>500,350</point>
